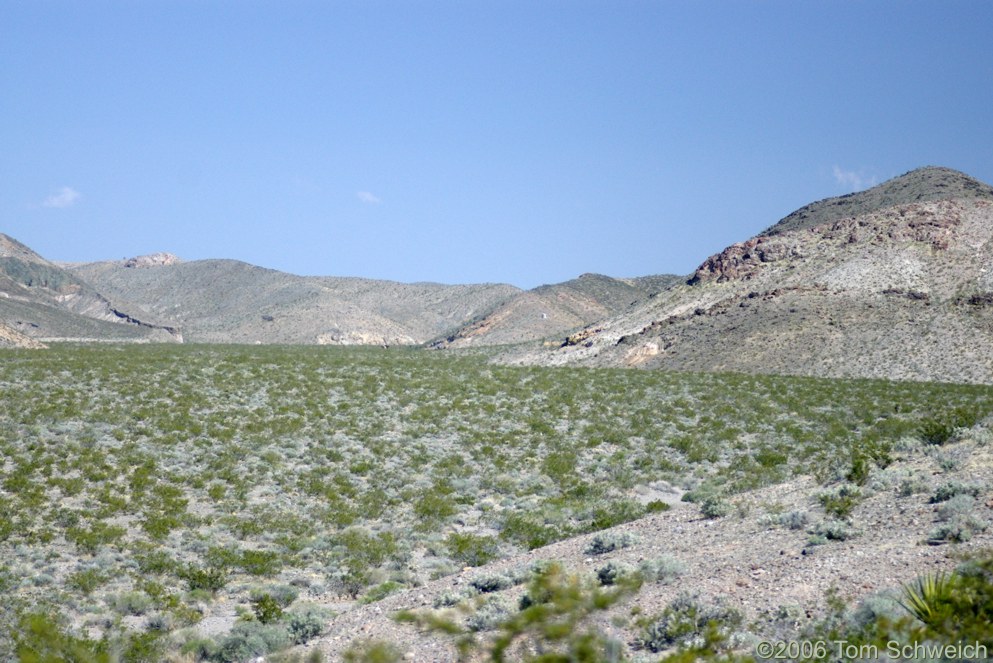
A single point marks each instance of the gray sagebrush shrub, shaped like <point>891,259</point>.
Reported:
<point>490,613</point>
<point>794,519</point>
<point>662,569</point>
<point>832,530</point>
<point>684,620</point>
<point>252,639</point>
<point>613,572</point>
<point>491,582</point>
<point>606,542</point>
<point>715,507</point>
<point>307,622</point>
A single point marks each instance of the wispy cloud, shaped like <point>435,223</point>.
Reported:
<point>64,197</point>
<point>368,198</point>
<point>854,180</point>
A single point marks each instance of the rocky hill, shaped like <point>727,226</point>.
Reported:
<point>900,289</point>
<point>891,282</point>
<point>917,186</point>
<point>227,301</point>
<point>555,309</point>
<point>11,338</point>
<point>42,300</point>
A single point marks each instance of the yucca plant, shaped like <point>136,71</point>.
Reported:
<point>929,597</point>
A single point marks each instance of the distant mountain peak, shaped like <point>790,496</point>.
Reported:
<point>917,186</point>
<point>11,248</point>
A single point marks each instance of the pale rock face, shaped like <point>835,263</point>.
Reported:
<point>642,353</point>
<point>361,338</point>
<point>152,260</point>
<point>12,338</point>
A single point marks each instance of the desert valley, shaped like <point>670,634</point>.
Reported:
<point>209,460</point>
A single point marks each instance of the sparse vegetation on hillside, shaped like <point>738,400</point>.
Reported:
<point>922,184</point>
<point>143,486</point>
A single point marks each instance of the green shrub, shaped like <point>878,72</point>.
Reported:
<point>615,512</point>
<point>157,526</point>
<point>146,647</point>
<point>940,429</point>
<point>657,506</point>
<point>381,591</point>
<point>260,562</point>
<point>40,637</point>
<point>841,500</point>
<point>434,507</point>
<point>87,580</point>
<point>526,530</point>
<point>155,561</point>
<point>715,507</point>
<point>98,534</point>
<point>267,609</point>
<point>470,549</point>
<point>208,578</point>
<point>937,432</point>
<point>951,489</point>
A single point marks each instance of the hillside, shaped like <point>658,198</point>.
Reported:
<point>756,561</point>
<point>227,301</point>
<point>42,300</point>
<point>549,310</point>
<point>11,338</point>
<point>917,186</point>
<point>900,290</point>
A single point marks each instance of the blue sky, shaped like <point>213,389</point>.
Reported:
<point>422,140</point>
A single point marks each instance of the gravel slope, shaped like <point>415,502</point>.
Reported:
<point>743,558</point>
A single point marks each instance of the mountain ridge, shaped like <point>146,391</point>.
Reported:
<point>895,282</point>
<point>900,292</point>
<point>918,185</point>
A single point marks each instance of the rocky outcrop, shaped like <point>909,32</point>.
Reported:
<point>932,224</point>
<point>152,260</point>
<point>582,337</point>
<point>338,337</point>
<point>743,260</point>
<point>10,337</point>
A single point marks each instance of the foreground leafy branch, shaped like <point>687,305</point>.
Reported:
<point>550,627</point>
